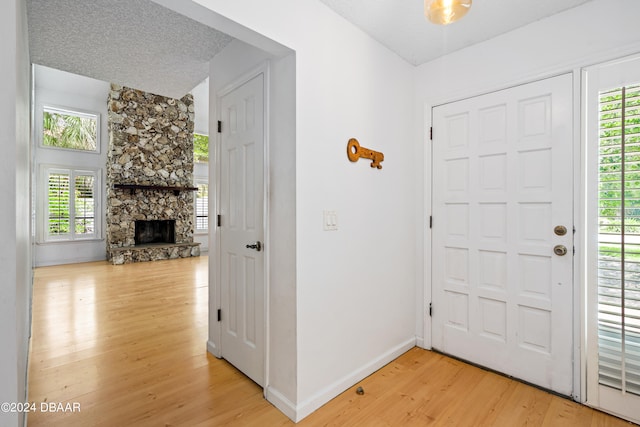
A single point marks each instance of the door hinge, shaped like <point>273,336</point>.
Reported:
<point>430,222</point>
<point>219,126</point>
<point>431,133</point>
<point>218,220</point>
<point>430,309</point>
<point>219,315</point>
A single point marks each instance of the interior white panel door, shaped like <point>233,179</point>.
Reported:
<point>241,228</point>
<point>502,181</point>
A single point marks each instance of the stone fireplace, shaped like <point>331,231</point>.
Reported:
<point>150,192</point>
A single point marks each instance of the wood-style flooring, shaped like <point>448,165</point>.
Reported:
<point>128,343</point>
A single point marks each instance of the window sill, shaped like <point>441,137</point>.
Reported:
<point>56,242</point>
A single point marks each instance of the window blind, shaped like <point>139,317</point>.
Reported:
<point>58,203</point>
<point>619,239</point>
<point>84,205</point>
<point>202,207</point>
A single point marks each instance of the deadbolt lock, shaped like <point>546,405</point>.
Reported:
<point>560,230</point>
<point>560,250</point>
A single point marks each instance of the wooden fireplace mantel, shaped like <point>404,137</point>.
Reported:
<point>132,187</point>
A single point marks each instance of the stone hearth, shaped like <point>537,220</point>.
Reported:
<point>151,156</point>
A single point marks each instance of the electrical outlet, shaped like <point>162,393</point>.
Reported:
<point>330,220</point>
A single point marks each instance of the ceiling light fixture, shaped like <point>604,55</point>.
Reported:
<point>444,12</point>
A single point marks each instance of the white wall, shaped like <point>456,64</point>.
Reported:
<point>201,170</point>
<point>201,105</point>
<point>15,251</point>
<point>355,288</point>
<point>594,32</point>
<point>282,231</point>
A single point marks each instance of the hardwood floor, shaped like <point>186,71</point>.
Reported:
<point>128,344</point>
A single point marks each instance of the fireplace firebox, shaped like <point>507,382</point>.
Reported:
<point>155,231</point>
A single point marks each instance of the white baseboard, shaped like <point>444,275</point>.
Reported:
<point>75,260</point>
<point>278,400</point>
<point>323,396</point>
<point>420,342</point>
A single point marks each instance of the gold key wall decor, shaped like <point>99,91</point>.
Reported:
<point>355,152</point>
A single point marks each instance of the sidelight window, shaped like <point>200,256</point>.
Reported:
<point>619,239</point>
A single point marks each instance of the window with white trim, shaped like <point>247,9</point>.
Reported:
<point>70,129</point>
<point>202,207</point>
<point>70,204</point>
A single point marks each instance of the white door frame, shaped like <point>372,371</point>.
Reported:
<point>577,215</point>
<point>214,203</point>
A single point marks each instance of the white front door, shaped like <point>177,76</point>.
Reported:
<point>502,182</point>
<point>241,228</point>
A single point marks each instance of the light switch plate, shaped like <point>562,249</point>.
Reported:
<point>330,220</point>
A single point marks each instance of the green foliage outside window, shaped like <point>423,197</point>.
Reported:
<point>200,148</point>
<point>611,161</point>
<point>67,130</point>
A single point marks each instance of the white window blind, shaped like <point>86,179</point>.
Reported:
<point>85,214</point>
<point>202,207</point>
<point>619,239</point>
<point>58,204</point>
<point>70,204</point>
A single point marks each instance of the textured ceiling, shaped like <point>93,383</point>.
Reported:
<point>134,43</point>
<point>401,26</point>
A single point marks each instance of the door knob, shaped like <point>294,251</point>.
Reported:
<point>560,250</point>
<point>257,246</point>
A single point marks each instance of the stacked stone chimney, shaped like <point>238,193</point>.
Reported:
<point>149,173</point>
